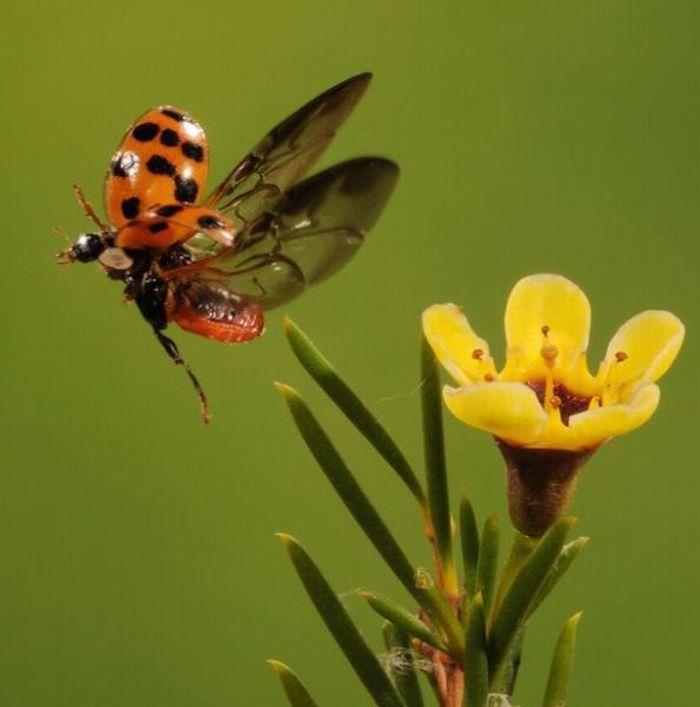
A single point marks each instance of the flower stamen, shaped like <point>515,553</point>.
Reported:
<point>610,386</point>
<point>485,363</point>
<point>549,354</point>
<point>594,403</point>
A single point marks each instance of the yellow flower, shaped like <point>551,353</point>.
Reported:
<point>545,397</point>
<point>546,410</point>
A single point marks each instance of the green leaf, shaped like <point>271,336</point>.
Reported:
<point>569,553</point>
<point>470,545</point>
<point>511,664</point>
<point>297,694</point>
<point>521,593</point>
<point>488,561</point>
<point>562,664</point>
<point>339,623</point>
<point>321,370</point>
<point>441,613</point>
<point>348,489</point>
<point>436,465</point>
<point>476,667</point>
<point>520,550</point>
<point>403,619</point>
<point>401,665</point>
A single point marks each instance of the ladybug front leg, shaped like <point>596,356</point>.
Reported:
<point>87,208</point>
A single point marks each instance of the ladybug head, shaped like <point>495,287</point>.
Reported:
<point>87,247</point>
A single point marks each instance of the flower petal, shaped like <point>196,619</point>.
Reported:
<point>651,342</point>
<point>454,342</point>
<point>589,429</point>
<point>550,301</point>
<point>510,411</point>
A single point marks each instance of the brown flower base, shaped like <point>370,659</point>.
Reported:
<point>540,484</point>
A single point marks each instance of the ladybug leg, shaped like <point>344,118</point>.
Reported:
<point>171,349</point>
<point>87,208</point>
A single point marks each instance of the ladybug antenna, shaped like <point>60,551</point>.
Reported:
<point>61,232</point>
<point>87,208</point>
<point>171,349</point>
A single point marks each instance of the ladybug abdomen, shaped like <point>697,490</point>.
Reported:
<point>163,158</point>
<point>213,311</point>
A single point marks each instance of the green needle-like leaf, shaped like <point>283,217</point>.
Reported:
<point>508,674</point>
<point>403,619</point>
<point>441,612</point>
<point>569,553</point>
<point>348,489</point>
<point>520,550</point>
<point>435,463</point>
<point>321,370</point>
<point>488,561</point>
<point>297,694</point>
<point>469,533</point>
<point>562,663</point>
<point>401,665</point>
<point>522,591</point>
<point>476,666</point>
<point>339,623</point>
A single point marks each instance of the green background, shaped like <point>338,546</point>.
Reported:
<point>137,561</point>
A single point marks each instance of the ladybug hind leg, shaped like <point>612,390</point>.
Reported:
<point>171,349</point>
<point>152,295</point>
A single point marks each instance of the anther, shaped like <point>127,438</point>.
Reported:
<point>478,354</point>
<point>549,353</point>
<point>489,377</point>
<point>621,356</point>
<point>545,330</point>
<point>555,401</point>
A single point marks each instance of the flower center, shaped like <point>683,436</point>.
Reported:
<point>558,401</point>
<point>562,400</point>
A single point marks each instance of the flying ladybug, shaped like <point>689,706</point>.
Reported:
<point>214,265</point>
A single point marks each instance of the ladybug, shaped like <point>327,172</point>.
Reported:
<point>214,265</point>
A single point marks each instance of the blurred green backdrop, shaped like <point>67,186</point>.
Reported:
<point>138,565</point>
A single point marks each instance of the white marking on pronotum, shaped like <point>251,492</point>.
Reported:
<point>116,259</point>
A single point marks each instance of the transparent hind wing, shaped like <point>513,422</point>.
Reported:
<point>313,232</point>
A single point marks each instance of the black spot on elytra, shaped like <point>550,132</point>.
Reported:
<point>169,210</point>
<point>157,164</point>
<point>209,222</point>
<point>169,137</point>
<point>185,189</point>
<point>194,152</point>
<point>145,132</point>
<point>173,114</point>
<point>117,169</point>
<point>158,226</point>
<point>130,207</point>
